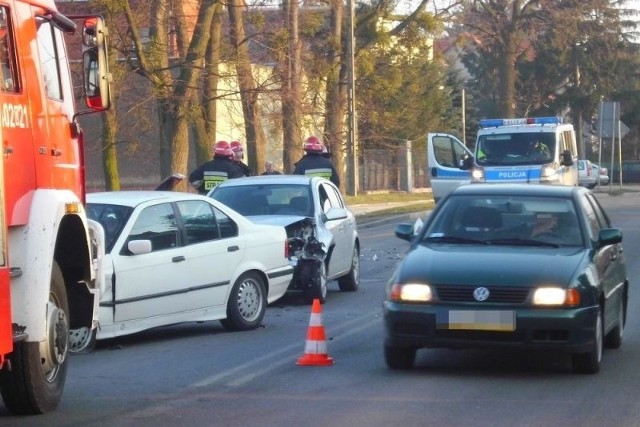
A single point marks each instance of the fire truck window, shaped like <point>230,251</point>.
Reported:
<point>8,66</point>
<point>49,61</point>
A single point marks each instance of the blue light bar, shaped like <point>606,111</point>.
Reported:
<point>489,123</point>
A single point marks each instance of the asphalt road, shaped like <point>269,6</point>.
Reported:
<point>200,375</point>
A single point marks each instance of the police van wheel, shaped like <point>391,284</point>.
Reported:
<point>38,371</point>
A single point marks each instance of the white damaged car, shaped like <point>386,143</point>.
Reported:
<point>323,232</point>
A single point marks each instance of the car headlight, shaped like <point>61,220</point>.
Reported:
<point>549,172</point>
<point>410,292</point>
<point>556,296</point>
<point>477,175</point>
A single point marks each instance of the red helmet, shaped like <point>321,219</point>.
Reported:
<point>223,148</point>
<point>313,145</point>
<point>236,146</point>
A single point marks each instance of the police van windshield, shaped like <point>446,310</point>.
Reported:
<point>510,149</point>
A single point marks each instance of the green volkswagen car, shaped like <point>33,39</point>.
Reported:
<point>509,265</point>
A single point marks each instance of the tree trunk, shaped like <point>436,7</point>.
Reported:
<point>185,89</point>
<point>336,104</point>
<point>109,150</point>
<point>254,134</point>
<point>507,77</point>
<point>291,89</point>
<point>206,123</point>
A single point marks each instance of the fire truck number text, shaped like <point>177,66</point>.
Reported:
<point>14,116</point>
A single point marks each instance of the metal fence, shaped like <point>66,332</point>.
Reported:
<point>393,170</point>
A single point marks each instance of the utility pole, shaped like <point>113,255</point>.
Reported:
<point>352,131</point>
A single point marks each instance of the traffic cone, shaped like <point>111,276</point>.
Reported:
<point>315,348</point>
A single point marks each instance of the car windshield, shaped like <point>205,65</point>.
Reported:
<point>112,218</point>
<point>506,220</point>
<point>508,149</point>
<point>271,199</point>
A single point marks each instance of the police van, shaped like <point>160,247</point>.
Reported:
<point>540,150</point>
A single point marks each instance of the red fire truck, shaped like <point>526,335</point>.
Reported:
<point>50,252</point>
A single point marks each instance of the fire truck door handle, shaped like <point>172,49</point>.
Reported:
<point>8,150</point>
<point>178,258</point>
<point>55,152</point>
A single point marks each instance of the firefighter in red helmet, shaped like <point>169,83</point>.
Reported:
<point>238,156</point>
<point>315,162</point>
<point>220,168</point>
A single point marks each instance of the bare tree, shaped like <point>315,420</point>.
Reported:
<point>291,92</point>
<point>255,137</point>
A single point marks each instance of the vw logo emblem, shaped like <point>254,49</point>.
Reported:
<point>481,294</point>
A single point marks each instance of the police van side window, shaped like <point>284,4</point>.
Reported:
<point>49,59</point>
<point>446,151</point>
<point>8,63</point>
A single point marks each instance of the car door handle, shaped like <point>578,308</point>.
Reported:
<point>178,258</point>
<point>232,248</point>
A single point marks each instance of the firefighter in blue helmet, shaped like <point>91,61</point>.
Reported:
<point>315,162</point>
<point>215,171</point>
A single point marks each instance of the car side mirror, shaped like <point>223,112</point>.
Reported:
<point>609,236</point>
<point>335,214</point>
<point>139,247</point>
<point>404,231</point>
<point>466,162</point>
<point>567,158</point>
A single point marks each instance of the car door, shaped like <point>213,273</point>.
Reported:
<point>342,229</point>
<point>213,249</point>
<point>150,284</point>
<point>608,259</point>
<point>444,153</point>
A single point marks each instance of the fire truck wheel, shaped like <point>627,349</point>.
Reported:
<point>35,382</point>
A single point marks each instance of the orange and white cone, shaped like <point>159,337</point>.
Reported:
<point>315,348</point>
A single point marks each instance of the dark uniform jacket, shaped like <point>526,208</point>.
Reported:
<point>317,165</point>
<point>243,167</point>
<point>209,174</point>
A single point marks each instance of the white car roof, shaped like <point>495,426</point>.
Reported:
<point>134,198</point>
<point>271,179</point>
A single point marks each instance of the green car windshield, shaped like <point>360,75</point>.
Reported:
<point>506,220</point>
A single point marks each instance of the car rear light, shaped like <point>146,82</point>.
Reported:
<point>287,249</point>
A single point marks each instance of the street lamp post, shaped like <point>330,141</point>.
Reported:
<point>352,133</point>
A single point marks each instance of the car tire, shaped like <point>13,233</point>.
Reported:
<point>589,363</point>
<point>247,303</point>
<point>82,340</point>
<point>614,337</point>
<point>319,289</point>
<point>399,358</point>
<point>351,281</point>
<point>26,388</point>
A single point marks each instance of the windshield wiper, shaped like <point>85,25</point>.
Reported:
<point>521,242</point>
<point>455,239</point>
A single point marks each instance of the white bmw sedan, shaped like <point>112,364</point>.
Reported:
<point>177,257</point>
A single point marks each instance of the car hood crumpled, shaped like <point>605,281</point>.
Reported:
<point>490,266</point>
<point>283,220</point>
<point>296,225</point>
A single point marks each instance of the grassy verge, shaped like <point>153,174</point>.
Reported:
<point>391,197</point>
<point>404,202</point>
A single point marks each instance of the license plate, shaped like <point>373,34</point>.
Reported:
<point>481,320</point>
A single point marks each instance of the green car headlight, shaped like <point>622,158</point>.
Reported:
<point>410,292</point>
<point>555,296</point>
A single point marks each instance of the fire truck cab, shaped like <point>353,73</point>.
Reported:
<point>50,252</point>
